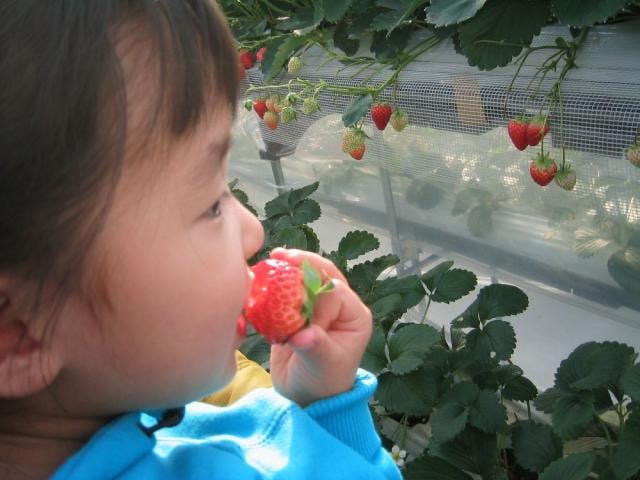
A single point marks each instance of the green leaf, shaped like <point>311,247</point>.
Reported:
<point>465,393</point>
<point>412,394</point>
<point>626,461</point>
<point>545,401</point>
<point>391,19</point>
<point>343,41</point>
<point>289,237</point>
<point>586,12</point>
<point>386,306</point>
<point>487,413</point>
<point>453,285</point>
<point>472,450</point>
<point>374,359</point>
<point>573,467</point>
<point>631,382</point>
<point>409,287</point>
<point>357,243</point>
<point>408,345</point>
<point>511,21</point>
<point>297,195</point>
<point>313,242</point>
<point>502,337</point>
<point>272,65</point>
<point>363,276</point>
<point>447,12</point>
<point>571,415</point>
<point>429,278</point>
<point>449,421</point>
<point>390,46</point>
<point>334,10</point>
<point>428,467</point>
<point>499,300</point>
<point>535,445</point>
<point>356,110</point>
<point>521,389</point>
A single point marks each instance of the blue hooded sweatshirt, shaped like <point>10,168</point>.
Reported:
<point>262,436</point>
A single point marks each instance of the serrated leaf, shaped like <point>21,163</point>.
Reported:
<point>428,467</point>
<point>506,373</point>
<point>391,19</point>
<point>453,285</point>
<point>289,237</point>
<point>521,389</point>
<point>586,12</point>
<point>374,359</point>
<point>511,21</point>
<point>535,445</point>
<point>409,287</point>
<point>297,195</point>
<point>408,345</point>
<point>472,451</point>
<point>313,242</point>
<point>626,461</point>
<point>357,243</point>
<point>412,394</point>
<point>272,65</point>
<point>545,401</point>
<point>386,306</point>
<point>465,393</point>
<point>363,276</point>
<point>502,337</point>
<point>631,382</point>
<point>499,300</point>
<point>343,41</point>
<point>448,12</point>
<point>430,277</point>
<point>356,109</point>
<point>334,10</point>
<point>487,413</point>
<point>573,467</point>
<point>571,415</point>
<point>390,45</point>
<point>448,421</point>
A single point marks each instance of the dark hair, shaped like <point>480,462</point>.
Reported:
<point>63,116</point>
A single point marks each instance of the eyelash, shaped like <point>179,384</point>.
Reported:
<point>215,211</point>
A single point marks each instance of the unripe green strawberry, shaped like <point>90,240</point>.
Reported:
<point>290,100</point>
<point>566,177</point>
<point>248,105</point>
<point>352,139</point>
<point>310,106</point>
<point>633,154</point>
<point>399,120</point>
<point>287,115</point>
<point>282,298</point>
<point>271,119</point>
<point>295,65</point>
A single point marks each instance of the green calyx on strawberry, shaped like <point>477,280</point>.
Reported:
<point>310,106</point>
<point>260,107</point>
<point>566,177</point>
<point>633,154</point>
<point>399,120</point>
<point>295,65</point>
<point>536,130</point>
<point>543,169</point>
<point>283,298</point>
<point>288,115</point>
<point>353,140</point>
<point>381,114</point>
<point>517,130</point>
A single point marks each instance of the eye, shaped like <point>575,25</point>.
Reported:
<point>215,211</point>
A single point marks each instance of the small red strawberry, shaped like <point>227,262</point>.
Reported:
<point>246,58</point>
<point>271,119</point>
<point>282,298</point>
<point>566,177</point>
<point>380,114</point>
<point>536,130</point>
<point>358,153</point>
<point>260,106</point>
<point>633,154</point>
<point>542,169</point>
<point>518,132</point>
<point>399,120</point>
<point>261,53</point>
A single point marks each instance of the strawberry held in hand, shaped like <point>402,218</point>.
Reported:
<point>282,298</point>
<point>381,114</point>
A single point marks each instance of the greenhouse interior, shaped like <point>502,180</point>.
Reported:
<point>450,195</point>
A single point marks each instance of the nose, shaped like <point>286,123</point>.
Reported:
<point>252,232</point>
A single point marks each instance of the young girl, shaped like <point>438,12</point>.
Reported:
<point>123,264</point>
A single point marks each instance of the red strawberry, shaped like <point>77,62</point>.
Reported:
<point>246,59</point>
<point>260,54</point>
<point>260,106</point>
<point>380,114</point>
<point>542,169</point>
<point>566,177</point>
<point>271,119</point>
<point>282,298</point>
<point>358,153</point>
<point>518,132</point>
<point>536,130</point>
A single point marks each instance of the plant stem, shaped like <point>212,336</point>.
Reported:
<point>424,316</point>
<point>608,435</point>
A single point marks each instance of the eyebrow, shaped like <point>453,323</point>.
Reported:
<point>213,158</point>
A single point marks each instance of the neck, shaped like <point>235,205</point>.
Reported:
<point>34,445</point>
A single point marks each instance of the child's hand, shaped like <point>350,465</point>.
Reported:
<point>321,360</point>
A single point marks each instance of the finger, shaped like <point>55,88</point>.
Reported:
<point>323,265</point>
<point>342,310</point>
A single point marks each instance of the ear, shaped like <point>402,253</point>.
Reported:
<point>27,365</point>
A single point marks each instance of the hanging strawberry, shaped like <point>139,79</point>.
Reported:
<point>517,130</point>
<point>381,114</point>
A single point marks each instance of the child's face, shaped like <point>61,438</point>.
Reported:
<point>172,259</point>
